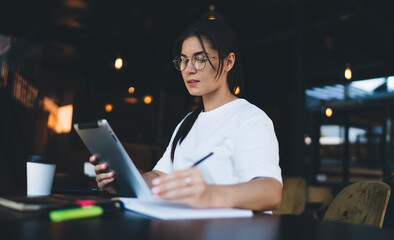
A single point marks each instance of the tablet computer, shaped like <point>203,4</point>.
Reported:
<point>101,140</point>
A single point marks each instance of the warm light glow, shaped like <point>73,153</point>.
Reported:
<point>131,90</point>
<point>64,119</point>
<point>212,9</point>
<point>348,72</point>
<point>237,90</point>
<point>4,73</point>
<point>328,112</point>
<point>108,107</point>
<point>131,100</point>
<point>148,99</point>
<point>60,120</point>
<point>49,105</point>
<point>118,63</point>
<point>23,91</point>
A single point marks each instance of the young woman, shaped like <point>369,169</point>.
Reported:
<point>243,171</point>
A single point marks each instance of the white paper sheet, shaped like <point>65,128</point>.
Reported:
<point>168,210</point>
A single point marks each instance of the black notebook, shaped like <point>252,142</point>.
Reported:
<point>47,203</point>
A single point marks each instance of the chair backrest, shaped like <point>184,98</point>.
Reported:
<point>293,196</point>
<point>360,203</point>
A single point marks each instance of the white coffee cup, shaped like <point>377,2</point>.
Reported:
<point>40,173</point>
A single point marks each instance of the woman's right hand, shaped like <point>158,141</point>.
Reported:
<point>104,178</point>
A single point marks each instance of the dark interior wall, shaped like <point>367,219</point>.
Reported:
<point>16,138</point>
<point>20,64</point>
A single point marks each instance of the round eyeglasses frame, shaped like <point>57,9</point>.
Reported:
<point>197,63</point>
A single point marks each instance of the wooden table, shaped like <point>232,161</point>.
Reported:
<point>129,225</point>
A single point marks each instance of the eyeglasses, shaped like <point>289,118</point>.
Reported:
<point>198,62</point>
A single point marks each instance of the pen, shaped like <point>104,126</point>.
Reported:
<point>202,159</point>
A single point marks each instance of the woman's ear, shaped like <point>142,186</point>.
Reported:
<point>230,61</point>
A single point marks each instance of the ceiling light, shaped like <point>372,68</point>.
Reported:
<point>131,100</point>
<point>131,90</point>
<point>148,99</point>
<point>348,72</point>
<point>212,10</point>
<point>328,112</point>
<point>118,63</point>
<point>237,91</point>
<point>108,107</point>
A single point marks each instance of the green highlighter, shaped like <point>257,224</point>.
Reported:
<point>68,214</point>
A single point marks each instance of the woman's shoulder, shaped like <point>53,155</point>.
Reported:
<point>247,110</point>
<point>251,118</point>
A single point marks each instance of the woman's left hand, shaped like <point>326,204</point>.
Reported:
<point>186,186</point>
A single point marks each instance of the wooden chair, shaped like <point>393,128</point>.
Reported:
<point>293,196</point>
<point>360,203</point>
<point>318,199</point>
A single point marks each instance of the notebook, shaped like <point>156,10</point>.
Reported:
<point>170,211</point>
<point>48,203</point>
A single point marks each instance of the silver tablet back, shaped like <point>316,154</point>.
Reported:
<point>100,140</point>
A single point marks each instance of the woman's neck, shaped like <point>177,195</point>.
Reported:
<point>214,101</point>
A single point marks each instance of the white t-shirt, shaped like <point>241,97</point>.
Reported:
<point>243,141</point>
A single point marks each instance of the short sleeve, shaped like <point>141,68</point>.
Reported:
<point>256,151</point>
<point>165,163</point>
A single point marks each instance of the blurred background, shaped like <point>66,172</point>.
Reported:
<point>322,70</point>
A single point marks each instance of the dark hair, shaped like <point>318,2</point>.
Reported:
<point>221,38</point>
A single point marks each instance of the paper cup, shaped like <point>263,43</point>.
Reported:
<point>40,173</point>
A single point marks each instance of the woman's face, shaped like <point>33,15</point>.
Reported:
<point>203,82</point>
